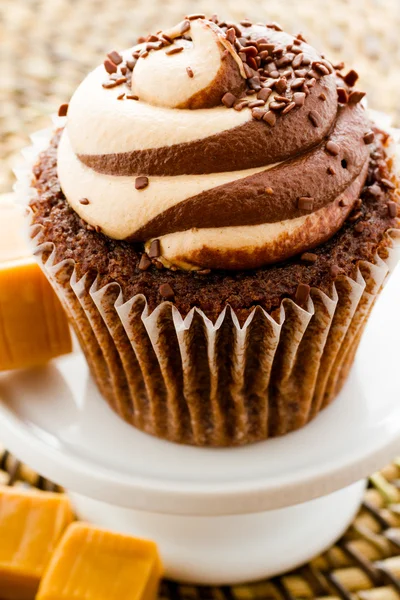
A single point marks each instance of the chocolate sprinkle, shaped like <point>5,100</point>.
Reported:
<point>302,293</point>
<point>331,171</point>
<point>356,97</point>
<point>115,57</point>
<point>155,249</point>
<point>166,291</point>
<point>269,191</point>
<point>174,50</point>
<point>332,148</point>
<point>141,182</point>
<point>314,118</point>
<point>84,201</point>
<point>343,96</point>
<point>63,110</point>
<point>144,263</point>
<point>132,97</point>
<point>270,118</point>
<point>305,203</point>
<point>351,78</point>
<point>109,66</point>
<point>299,98</point>
<point>228,99</point>
<point>369,137</point>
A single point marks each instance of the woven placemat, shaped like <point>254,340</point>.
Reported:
<point>47,47</point>
<point>363,565</point>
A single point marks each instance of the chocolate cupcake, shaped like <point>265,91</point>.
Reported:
<point>218,217</point>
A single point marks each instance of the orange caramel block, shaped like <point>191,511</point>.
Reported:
<point>93,564</point>
<point>31,524</point>
<point>33,325</point>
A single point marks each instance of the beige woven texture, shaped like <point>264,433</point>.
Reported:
<point>47,46</point>
<point>363,565</point>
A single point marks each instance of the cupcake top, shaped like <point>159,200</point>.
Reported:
<point>216,145</point>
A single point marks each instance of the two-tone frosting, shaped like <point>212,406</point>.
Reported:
<point>230,145</point>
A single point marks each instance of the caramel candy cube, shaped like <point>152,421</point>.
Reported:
<point>31,524</point>
<point>94,564</point>
<point>33,324</point>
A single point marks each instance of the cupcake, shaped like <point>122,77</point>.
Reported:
<point>218,214</point>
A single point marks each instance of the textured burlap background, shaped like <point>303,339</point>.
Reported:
<point>47,46</point>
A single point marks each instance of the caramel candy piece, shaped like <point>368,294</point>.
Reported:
<point>93,564</point>
<point>33,325</point>
<point>31,523</point>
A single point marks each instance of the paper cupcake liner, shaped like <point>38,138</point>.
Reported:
<point>194,382</point>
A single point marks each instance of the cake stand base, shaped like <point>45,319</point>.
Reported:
<point>233,549</point>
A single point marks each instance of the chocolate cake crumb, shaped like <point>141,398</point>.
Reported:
<point>63,110</point>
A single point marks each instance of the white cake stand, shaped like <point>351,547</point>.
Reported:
<point>219,516</point>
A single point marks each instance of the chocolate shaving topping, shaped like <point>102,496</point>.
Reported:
<point>264,94</point>
<point>63,110</point>
<point>392,209</point>
<point>228,99</point>
<point>155,249</point>
<point>298,59</point>
<point>297,83</point>
<point>258,113</point>
<point>141,182</point>
<point>299,98</point>
<point>230,35</point>
<point>115,57</point>
<point>314,118</point>
<point>114,83</point>
<point>270,118</point>
<point>289,107</point>
<point>343,96</point>
<point>195,16</point>
<point>302,293</point>
<point>185,26</point>
<point>174,50</point>
<point>109,66</point>
<point>144,263</point>
<point>305,203</point>
<point>332,148</point>
<point>369,137</point>
<point>351,77</point>
<point>355,97</point>
<point>166,291</point>
<point>255,103</point>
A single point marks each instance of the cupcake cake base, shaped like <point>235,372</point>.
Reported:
<point>236,358</point>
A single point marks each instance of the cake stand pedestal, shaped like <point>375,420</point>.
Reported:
<point>219,516</point>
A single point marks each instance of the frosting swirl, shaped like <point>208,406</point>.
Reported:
<point>226,144</point>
